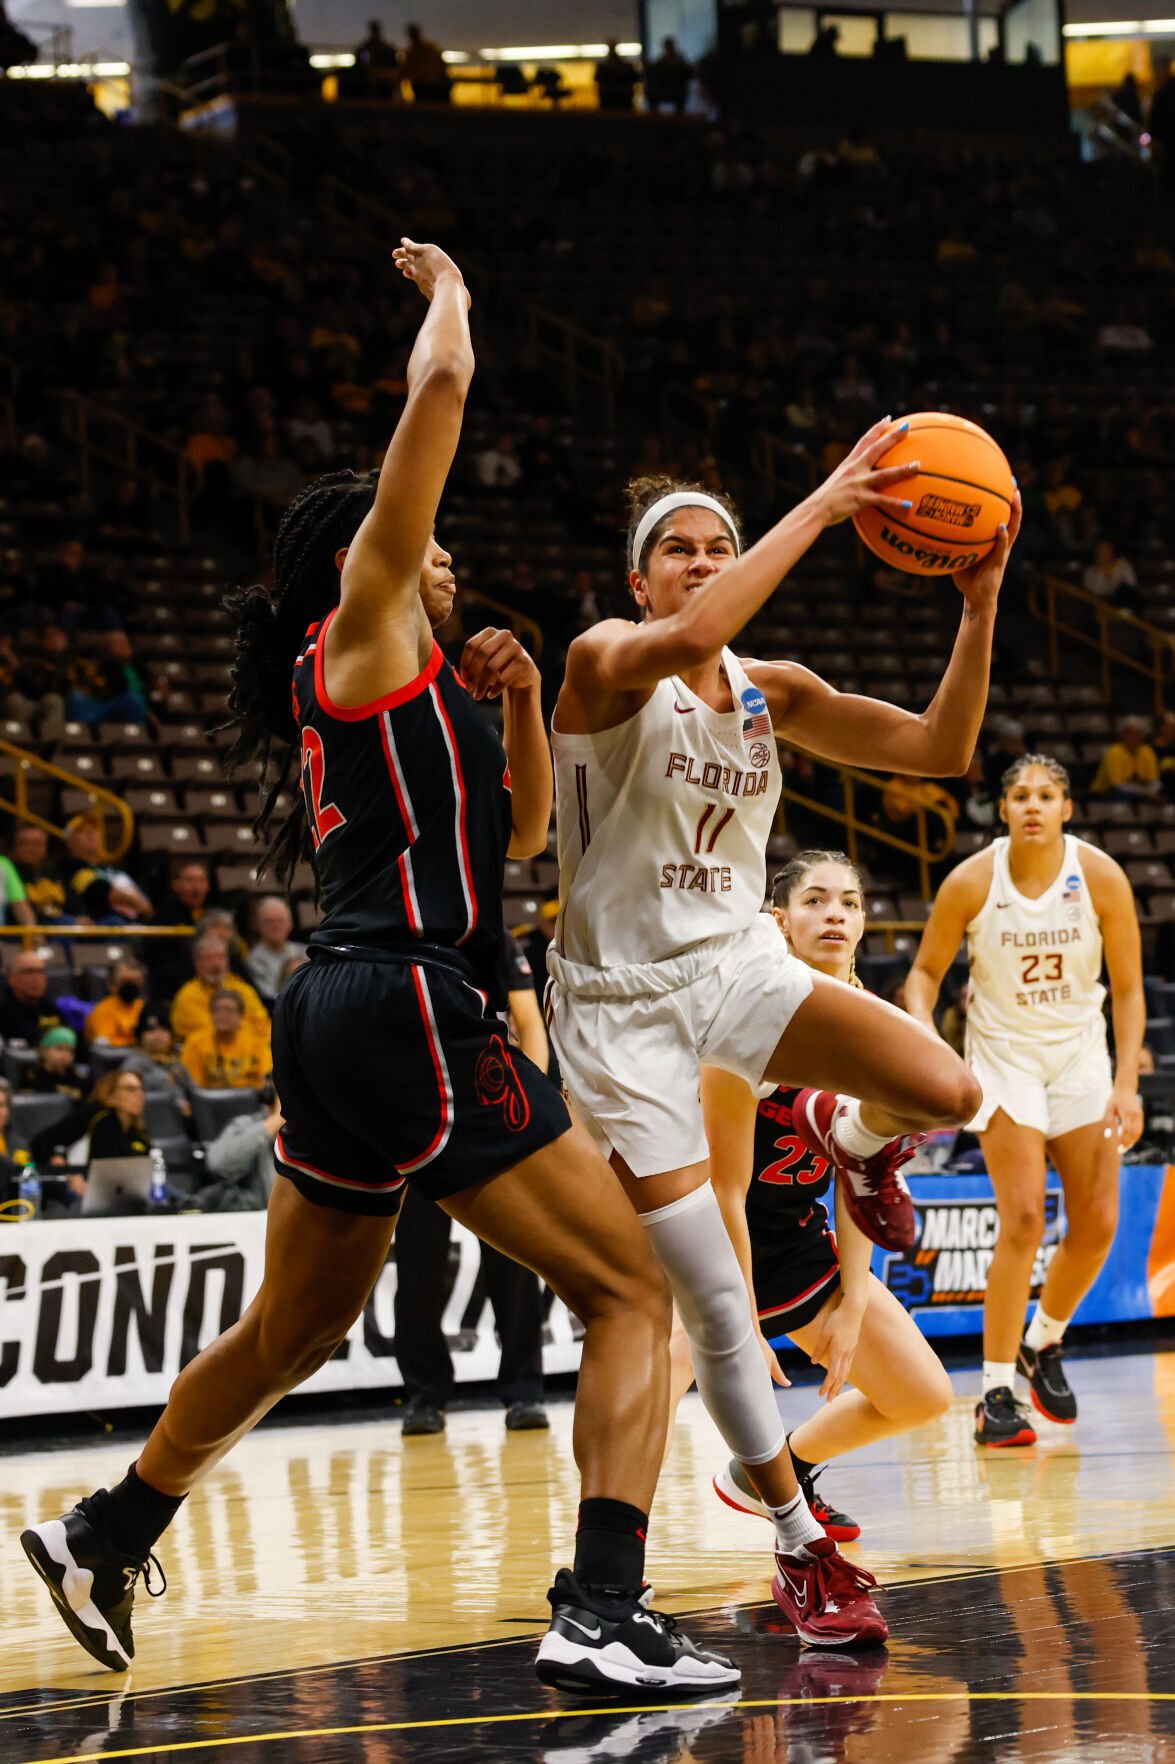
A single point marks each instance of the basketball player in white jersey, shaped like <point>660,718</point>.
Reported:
<point>1039,908</point>
<point>667,778</point>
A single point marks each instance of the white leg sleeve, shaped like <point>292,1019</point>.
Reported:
<point>690,1241</point>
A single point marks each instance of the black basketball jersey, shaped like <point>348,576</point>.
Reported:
<point>788,1180</point>
<point>409,806</point>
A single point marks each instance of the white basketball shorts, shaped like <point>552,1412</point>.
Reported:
<point>632,1041</point>
<point>1054,1087</point>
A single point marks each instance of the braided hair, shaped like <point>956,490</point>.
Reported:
<point>1046,762</point>
<point>785,882</point>
<point>271,624</point>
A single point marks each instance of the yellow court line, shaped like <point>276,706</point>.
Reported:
<point>960,1696</point>
<point>96,1698</point>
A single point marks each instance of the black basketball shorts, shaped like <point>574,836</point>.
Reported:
<point>399,1071</point>
<point>793,1282</point>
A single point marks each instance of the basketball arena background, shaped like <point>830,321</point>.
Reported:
<point>723,260</point>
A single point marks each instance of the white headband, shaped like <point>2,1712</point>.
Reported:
<point>678,499</point>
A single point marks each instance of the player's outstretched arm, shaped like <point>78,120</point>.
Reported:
<point>616,656</point>
<point>381,574</point>
<point>1113,900</point>
<point>959,898</point>
<point>856,731</point>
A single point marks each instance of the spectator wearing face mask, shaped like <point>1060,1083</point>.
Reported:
<point>115,1018</point>
<point>56,1072</point>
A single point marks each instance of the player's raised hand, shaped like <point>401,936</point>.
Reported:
<point>494,662</point>
<point>980,585</point>
<point>858,482</point>
<point>427,266</point>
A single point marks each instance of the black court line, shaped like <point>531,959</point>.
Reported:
<point>979,1655</point>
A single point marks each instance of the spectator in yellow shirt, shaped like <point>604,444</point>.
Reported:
<point>115,1018</point>
<point>192,1006</point>
<point>228,1055</point>
<point>1129,767</point>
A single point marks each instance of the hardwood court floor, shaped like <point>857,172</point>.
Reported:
<point>339,1595</point>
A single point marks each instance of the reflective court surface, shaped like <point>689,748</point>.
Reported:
<point>339,1595</point>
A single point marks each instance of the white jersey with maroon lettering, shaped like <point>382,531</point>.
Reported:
<point>1035,964</point>
<point>663,825</point>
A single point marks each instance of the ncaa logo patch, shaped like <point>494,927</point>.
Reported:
<point>756,720</point>
<point>1073,881</point>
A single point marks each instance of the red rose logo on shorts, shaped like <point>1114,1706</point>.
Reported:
<point>498,1085</point>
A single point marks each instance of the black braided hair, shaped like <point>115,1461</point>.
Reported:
<point>1046,762</point>
<point>271,624</point>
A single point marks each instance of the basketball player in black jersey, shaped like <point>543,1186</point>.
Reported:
<point>390,1060</point>
<point>806,1284</point>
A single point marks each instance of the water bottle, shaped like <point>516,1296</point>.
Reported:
<point>157,1198</point>
<point>29,1190</point>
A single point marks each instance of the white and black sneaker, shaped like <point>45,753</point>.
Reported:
<point>600,1643</point>
<point>92,1583</point>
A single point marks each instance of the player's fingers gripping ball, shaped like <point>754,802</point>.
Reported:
<point>961,497</point>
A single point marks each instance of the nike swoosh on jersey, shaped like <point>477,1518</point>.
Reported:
<point>1001,904</point>
<point>684,710</point>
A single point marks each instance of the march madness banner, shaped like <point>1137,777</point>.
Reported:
<point>942,1280</point>
<point>103,1313</point>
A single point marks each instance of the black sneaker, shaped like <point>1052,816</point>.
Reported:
<point>1001,1421</point>
<point>420,1417</point>
<point>92,1584</point>
<point>526,1418</point>
<point>600,1643</point>
<point>1047,1382</point>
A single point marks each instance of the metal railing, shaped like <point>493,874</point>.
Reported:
<point>927,809</point>
<point>590,367</point>
<point>26,763</point>
<point>100,433</point>
<point>687,416</point>
<point>1066,610</point>
<point>353,211</point>
<point>782,468</point>
<point>94,933</point>
<point>521,625</point>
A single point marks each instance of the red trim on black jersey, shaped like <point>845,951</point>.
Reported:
<point>283,1157</point>
<point>463,863</point>
<point>411,830</point>
<point>444,1084</point>
<point>355,713</point>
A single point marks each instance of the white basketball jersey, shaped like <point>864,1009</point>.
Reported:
<point>1036,965</point>
<point>663,825</point>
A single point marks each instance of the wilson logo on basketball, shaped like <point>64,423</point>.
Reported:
<point>498,1085</point>
<point>926,556</point>
<point>955,514</point>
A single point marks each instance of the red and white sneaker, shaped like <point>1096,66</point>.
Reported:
<point>733,1485</point>
<point>876,1193</point>
<point>827,1598</point>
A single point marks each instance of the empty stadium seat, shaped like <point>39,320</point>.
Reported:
<point>214,1109</point>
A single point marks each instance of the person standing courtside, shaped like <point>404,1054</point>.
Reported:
<point>422,1255</point>
<point>1038,908</point>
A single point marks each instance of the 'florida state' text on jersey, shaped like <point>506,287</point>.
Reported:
<point>1035,964</point>
<point>663,824</point>
<point>409,805</point>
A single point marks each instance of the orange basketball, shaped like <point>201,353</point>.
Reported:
<point>961,496</point>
